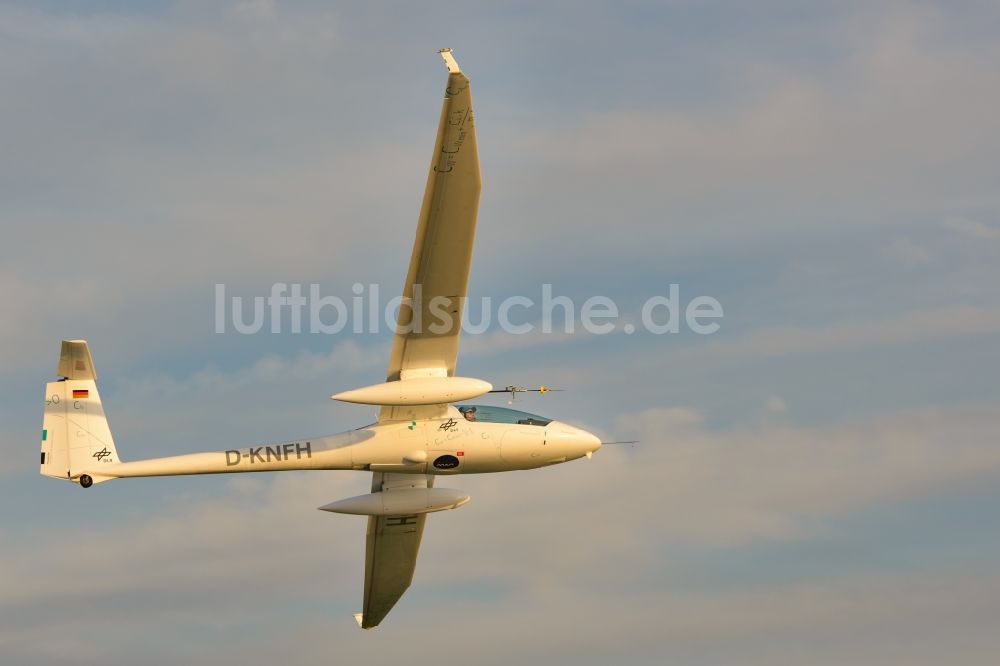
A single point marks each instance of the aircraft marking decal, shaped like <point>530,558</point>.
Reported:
<point>267,454</point>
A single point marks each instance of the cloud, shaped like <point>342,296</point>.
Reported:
<point>907,327</point>
<point>972,228</point>
<point>161,563</point>
<point>597,542</point>
<point>776,404</point>
<point>346,357</point>
<point>907,253</point>
<point>150,156</point>
<point>775,481</point>
<point>888,131</point>
<point>799,165</point>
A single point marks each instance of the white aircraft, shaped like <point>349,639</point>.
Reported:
<point>420,433</point>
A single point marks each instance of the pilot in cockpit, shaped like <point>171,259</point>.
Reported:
<point>470,413</point>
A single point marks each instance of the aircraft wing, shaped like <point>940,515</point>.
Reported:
<point>391,550</point>
<point>429,324</point>
<point>436,285</point>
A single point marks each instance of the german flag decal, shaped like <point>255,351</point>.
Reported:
<point>81,393</point>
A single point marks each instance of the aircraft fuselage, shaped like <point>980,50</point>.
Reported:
<point>451,445</point>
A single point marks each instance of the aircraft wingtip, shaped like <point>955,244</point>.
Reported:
<point>450,61</point>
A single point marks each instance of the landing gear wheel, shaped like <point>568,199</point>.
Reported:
<point>86,481</point>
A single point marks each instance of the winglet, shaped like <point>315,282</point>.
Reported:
<point>449,60</point>
<point>75,361</point>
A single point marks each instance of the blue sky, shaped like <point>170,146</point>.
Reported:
<point>817,482</point>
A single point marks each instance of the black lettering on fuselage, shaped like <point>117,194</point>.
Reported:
<point>266,454</point>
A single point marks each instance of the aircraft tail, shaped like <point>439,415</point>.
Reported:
<point>76,438</point>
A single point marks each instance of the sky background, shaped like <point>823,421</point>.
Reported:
<point>818,482</point>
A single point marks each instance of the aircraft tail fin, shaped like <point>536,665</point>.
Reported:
<point>76,438</point>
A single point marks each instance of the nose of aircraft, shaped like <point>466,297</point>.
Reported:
<point>578,441</point>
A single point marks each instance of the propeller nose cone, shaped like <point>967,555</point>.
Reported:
<point>581,442</point>
<point>593,442</point>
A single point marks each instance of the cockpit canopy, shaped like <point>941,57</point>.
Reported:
<point>492,414</point>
